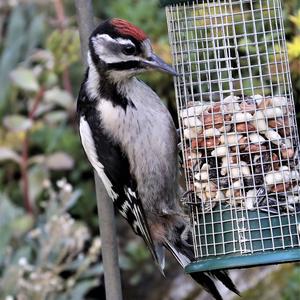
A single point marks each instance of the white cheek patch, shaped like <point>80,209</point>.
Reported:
<point>103,45</point>
<point>100,42</point>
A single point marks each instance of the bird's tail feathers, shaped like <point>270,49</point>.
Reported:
<point>181,258</point>
<point>181,247</point>
<point>207,283</point>
<point>184,254</point>
<point>157,252</point>
<point>226,280</point>
<point>160,256</point>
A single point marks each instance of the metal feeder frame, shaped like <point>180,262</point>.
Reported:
<point>224,48</point>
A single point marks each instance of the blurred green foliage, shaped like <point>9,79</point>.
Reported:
<point>40,74</point>
<point>64,46</point>
<point>282,284</point>
<point>24,32</point>
<point>46,257</point>
<point>291,290</point>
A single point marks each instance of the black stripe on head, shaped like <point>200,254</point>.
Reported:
<point>100,64</point>
<point>125,65</point>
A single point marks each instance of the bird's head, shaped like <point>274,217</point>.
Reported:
<point>123,50</point>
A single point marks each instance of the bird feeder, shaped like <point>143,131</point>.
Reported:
<point>239,137</point>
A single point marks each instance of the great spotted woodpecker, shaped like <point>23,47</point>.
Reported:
<point>130,140</point>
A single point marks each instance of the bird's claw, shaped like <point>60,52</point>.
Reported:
<point>185,196</point>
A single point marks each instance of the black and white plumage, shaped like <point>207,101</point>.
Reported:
<point>130,140</point>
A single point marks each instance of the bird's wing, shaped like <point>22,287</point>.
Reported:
<point>113,168</point>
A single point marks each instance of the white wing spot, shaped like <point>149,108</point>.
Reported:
<point>125,208</point>
<point>90,150</point>
<point>132,193</point>
<point>135,226</point>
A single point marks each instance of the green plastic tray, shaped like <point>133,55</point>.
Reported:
<point>269,239</point>
<point>245,261</point>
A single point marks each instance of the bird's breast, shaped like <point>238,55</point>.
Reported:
<point>146,134</point>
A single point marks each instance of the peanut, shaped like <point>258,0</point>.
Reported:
<point>278,123</point>
<point>248,107</point>
<point>209,143</point>
<point>287,153</point>
<point>279,188</point>
<point>212,120</point>
<point>275,161</point>
<point>255,148</point>
<point>265,103</point>
<point>195,143</point>
<point>191,158</point>
<point>215,108</point>
<point>245,127</point>
<point>243,142</point>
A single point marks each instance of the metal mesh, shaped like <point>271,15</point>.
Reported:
<point>238,125</point>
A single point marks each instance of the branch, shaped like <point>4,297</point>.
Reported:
<point>60,14</point>
<point>24,161</point>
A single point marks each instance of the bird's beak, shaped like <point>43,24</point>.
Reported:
<point>156,62</point>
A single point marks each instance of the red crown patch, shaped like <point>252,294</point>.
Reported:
<point>126,28</point>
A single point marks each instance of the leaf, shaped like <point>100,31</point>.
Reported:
<point>93,271</point>
<point>296,19</point>
<point>59,97</point>
<point>56,117</point>
<point>17,123</point>
<point>8,154</point>
<point>24,79</point>
<point>81,288</point>
<point>12,50</point>
<point>35,32</point>
<point>42,108</point>
<point>37,176</point>
<point>12,139</point>
<point>24,251</point>
<point>36,159</point>
<point>8,213</point>
<point>72,200</point>
<point>60,161</point>
<point>294,48</point>
<point>21,225</point>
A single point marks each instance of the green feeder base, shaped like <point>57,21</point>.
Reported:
<point>263,232</point>
<point>245,261</point>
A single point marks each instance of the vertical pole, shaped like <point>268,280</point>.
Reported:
<point>107,224</point>
<point>112,278</point>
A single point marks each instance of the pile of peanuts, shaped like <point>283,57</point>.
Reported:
<point>242,151</point>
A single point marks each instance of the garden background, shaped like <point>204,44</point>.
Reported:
<point>49,242</point>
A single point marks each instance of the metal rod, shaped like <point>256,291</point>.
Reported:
<point>112,278</point>
<point>84,10</point>
<point>107,224</point>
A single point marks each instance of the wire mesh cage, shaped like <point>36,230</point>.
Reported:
<point>239,136</point>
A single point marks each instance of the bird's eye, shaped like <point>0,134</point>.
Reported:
<point>129,50</point>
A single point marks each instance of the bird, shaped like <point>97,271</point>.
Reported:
<point>130,140</point>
